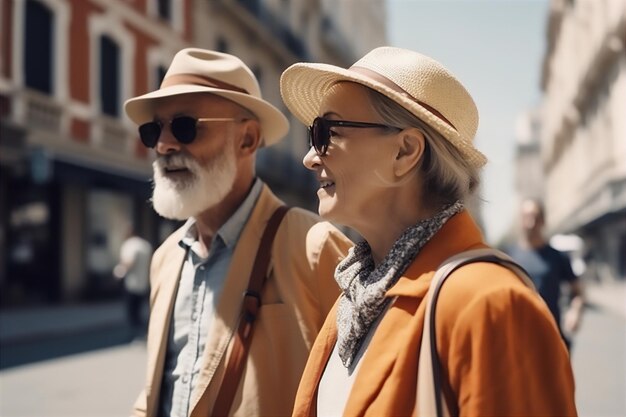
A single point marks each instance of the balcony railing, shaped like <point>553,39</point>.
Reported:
<point>41,112</point>
<point>112,135</point>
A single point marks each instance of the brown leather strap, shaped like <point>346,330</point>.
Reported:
<point>250,309</point>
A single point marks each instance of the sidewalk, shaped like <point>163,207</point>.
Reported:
<point>32,324</point>
<point>610,296</point>
<point>39,323</point>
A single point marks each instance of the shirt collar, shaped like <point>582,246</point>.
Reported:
<point>230,231</point>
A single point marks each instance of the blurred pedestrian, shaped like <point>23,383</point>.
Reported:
<point>239,293</point>
<point>548,268</point>
<point>134,269</point>
<point>391,145</point>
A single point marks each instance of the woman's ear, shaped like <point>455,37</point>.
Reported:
<point>411,145</point>
<point>250,138</point>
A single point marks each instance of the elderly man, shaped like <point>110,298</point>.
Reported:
<point>239,292</point>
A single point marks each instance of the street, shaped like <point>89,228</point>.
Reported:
<point>100,383</point>
<point>599,361</point>
<point>104,382</point>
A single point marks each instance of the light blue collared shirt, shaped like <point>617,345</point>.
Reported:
<point>201,283</point>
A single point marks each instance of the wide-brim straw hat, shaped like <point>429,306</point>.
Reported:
<point>416,82</point>
<point>196,70</point>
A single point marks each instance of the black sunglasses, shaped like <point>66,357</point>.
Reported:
<point>319,131</point>
<point>184,129</point>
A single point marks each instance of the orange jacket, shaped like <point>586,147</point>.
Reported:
<point>499,346</point>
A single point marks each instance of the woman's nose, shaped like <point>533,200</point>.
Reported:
<point>311,159</point>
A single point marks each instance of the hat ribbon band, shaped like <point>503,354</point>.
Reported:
<point>381,79</point>
<point>194,79</point>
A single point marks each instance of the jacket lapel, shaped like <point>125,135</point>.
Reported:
<point>163,294</point>
<point>229,307</point>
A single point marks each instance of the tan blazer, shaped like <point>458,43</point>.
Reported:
<point>296,298</point>
<point>500,348</point>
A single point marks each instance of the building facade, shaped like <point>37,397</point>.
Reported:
<point>73,174</point>
<point>529,181</point>
<point>270,35</point>
<point>583,134</point>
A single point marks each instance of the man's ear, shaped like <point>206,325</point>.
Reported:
<point>250,138</point>
<point>411,144</point>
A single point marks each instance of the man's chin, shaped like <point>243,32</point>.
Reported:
<point>172,205</point>
<point>169,212</point>
<point>181,204</point>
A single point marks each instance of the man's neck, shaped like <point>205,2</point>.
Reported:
<point>533,241</point>
<point>209,221</point>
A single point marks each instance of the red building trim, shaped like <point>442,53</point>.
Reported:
<point>80,130</point>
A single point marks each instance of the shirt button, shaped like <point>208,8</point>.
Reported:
<point>201,267</point>
<point>185,379</point>
<point>194,316</point>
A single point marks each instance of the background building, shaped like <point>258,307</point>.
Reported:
<point>73,174</point>
<point>76,176</point>
<point>528,169</point>
<point>529,180</point>
<point>583,128</point>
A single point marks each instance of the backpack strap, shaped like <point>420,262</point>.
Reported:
<point>250,308</point>
<point>429,398</point>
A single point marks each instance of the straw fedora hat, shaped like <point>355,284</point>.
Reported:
<point>416,82</point>
<point>196,70</point>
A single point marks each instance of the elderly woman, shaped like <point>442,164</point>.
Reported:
<point>392,147</point>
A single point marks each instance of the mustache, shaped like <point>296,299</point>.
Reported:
<point>178,160</point>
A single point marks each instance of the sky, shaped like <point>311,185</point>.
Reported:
<point>496,48</point>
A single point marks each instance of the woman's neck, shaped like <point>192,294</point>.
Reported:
<point>383,231</point>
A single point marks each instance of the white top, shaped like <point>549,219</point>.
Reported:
<point>136,254</point>
<point>337,380</point>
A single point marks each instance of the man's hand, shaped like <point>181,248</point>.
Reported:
<point>119,271</point>
<point>573,316</point>
<point>572,319</point>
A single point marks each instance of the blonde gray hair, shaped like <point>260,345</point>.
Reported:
<point>446,175</point>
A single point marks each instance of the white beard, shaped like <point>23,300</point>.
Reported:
<point>181,199</point>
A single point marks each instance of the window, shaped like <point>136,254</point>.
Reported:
<point>222,45</point>
<point>164,8</point>
<point>169,12</point>
<point>157,61</point>
<point>112,52</point>
<point>109,76</point>
<point>38,47</point>
<point>160,74</point>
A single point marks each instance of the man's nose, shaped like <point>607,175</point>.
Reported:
<point>167,143</point>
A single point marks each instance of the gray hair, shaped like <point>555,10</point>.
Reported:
<point>446,175</point>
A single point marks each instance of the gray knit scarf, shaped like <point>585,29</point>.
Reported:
<point>364,285</point>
